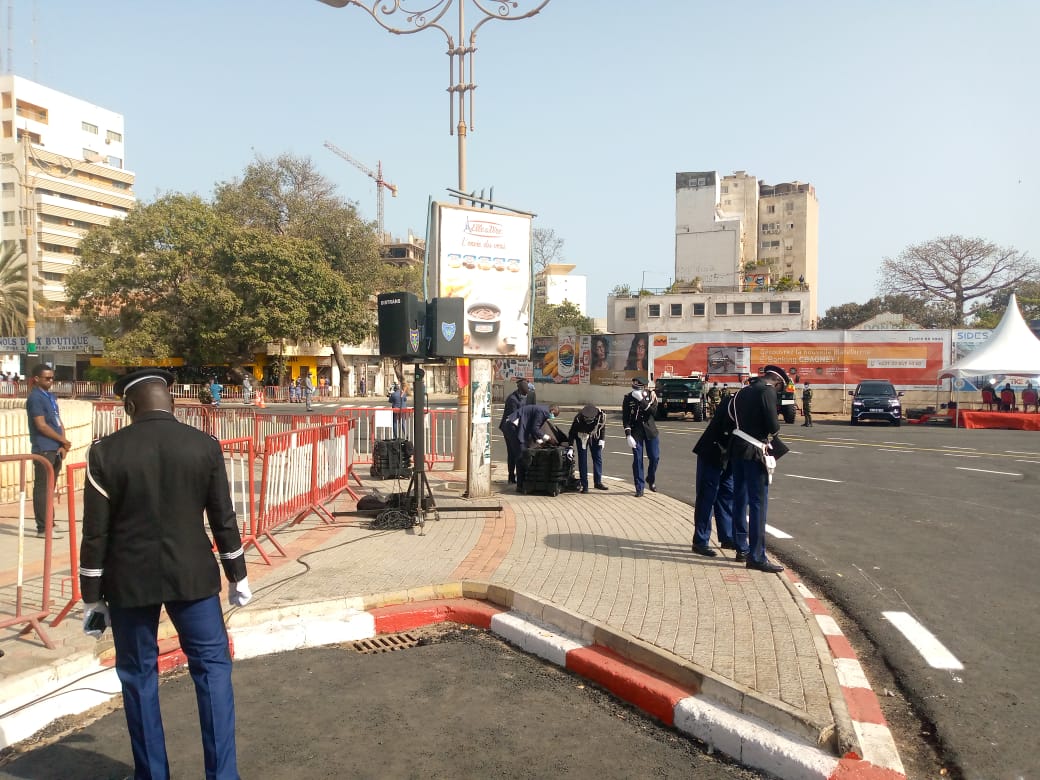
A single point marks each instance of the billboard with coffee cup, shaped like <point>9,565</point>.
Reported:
<point>484,257</point>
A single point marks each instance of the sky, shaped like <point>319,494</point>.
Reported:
<point>911,118</point>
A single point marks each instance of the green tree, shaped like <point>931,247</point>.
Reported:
<point>14,298</point>
<point>955,272</point>
<point>621,290</point>
<point>550,317</point>
<point>989,313</point>
<point>848,315</point>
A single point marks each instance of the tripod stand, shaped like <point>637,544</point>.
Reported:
<point>419,496</point>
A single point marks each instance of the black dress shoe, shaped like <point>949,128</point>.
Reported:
<point>653,487</point>
<point>512,480</point>
<point>639,494</point>
<point>601,486</point>
<point>766,565</point>
<point>584,490</point>
<point>707,552</point>
<point>740,557</point>
<point>727,545</point>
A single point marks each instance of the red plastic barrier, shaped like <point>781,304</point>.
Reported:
<point>70,480</point>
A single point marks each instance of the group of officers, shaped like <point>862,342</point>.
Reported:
<point>736,455</point>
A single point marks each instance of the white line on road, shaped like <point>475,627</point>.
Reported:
<point>1017,452</point>
<point>930,648</point>
<point>972,449</point>
<point>889,449</point>
<point>840,438</point>
<point>777,532</point>
<point>987,471</point>
<point>896,443</point>
<point>814,479</point>
<point>959,455</point>
<point>615,452</point>
<point>1027,461</point>
<point>840,446</point>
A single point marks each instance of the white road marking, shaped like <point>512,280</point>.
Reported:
<point>614,479</point>
<point>840,438</point>
<point>777,532</point>
<point>1017,452</point>
<point>970,449</point>
<point>615,452</point>
<point>839,446</point>
<point>815,479</point>
<point>1027,461</point>
<point>924,641</point>
<point>959,455</point>
<point>889,449</point>
<point>988,471</point>
<point>897,443</point>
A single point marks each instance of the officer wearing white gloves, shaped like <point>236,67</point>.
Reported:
<point>588,434</point>
<point>145,547</point>
<point>638,409</point>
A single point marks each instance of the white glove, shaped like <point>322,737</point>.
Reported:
<point>239,593</point>
<point>631,442</point>
<point>95,612</point>
<point>637,394</point>
<point>602,442</point>
<point>545,438</point>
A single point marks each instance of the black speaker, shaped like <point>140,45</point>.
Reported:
<point>402,325</point>
<point>445,325</point>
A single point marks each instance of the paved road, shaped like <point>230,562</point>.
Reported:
<point>937,524</point>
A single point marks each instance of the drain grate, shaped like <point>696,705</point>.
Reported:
<point>385,643</point>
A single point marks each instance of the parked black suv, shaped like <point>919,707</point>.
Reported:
<point>680,394</point>
<point>876,399</point>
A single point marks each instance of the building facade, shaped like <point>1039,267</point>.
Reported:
<point>557,283</point>
<point>710,311</point>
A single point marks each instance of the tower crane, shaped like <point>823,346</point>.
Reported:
<point>377,175</point>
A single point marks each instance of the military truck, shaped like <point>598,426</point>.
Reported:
<point>680,394</point>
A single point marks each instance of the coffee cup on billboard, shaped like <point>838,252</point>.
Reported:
<point>484,319</point>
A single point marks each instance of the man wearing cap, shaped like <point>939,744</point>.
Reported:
<point>145,547</point>
<point>637,415</point>
<point>753,412</point>
<point>807,405</point>
<point>522,396</point>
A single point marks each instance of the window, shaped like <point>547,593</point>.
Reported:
<point>794,307</point>
<point>676,309</point>
<point>770,209</point>
<point>630,312</point>
<point>776,307</point>
<point>698,310</point>
<point>725,189</point>
<point>7,157</point>
<point>90,155</point>
<point>115,162</point>
<point>756,307</point>
<point>8,189</point>
<point>89,127</point>
<point>112,135</point>
<point>790,226</point>
<point>789,207</point>
<point>739,308</point>
<point>789,245</point>
<point>8,218</point>
<point>653,310</point>
<point>720,309</point>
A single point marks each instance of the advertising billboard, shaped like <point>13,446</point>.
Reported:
<point>909,358</point>
<point>484,257</point>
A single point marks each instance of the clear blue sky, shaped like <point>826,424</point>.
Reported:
<point>911,119</point>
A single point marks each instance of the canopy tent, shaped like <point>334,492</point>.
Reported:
<point>1012,350</point>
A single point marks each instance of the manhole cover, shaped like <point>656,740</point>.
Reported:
<point>385,643</point>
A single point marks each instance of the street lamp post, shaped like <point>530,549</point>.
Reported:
<point>394,17</point>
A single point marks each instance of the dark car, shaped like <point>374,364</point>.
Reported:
<point>680,394</point>
<point>876,399</point>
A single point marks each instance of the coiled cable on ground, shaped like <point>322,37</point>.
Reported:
<point>390,519</point>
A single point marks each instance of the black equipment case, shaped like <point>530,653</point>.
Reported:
<point>546,470</point>
<point>392,459</point>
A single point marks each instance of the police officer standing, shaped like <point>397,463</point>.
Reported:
<point>807,405</point>
<point>638,409</point>
<point>145,547</point>
<point>522,396</point>
<point>754,416</point>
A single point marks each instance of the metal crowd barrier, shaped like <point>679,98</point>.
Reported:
<point>32,617</point>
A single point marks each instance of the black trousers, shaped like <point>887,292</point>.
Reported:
<point>40,496</point>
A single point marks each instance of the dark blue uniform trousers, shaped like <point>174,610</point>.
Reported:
<point>751,497</point>
<point>203,638</point>
<point>714,492</point>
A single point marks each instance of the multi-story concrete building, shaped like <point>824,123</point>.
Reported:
<point>62,166</point>
<point>556,284</point>
<point>788,237</point>
<point>710,311</point>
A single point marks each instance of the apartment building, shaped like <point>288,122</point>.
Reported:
<point>62,171</point>
<point>557,283</point>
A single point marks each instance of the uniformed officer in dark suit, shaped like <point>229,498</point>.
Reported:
<point>522,396</point>
<point>145,546</point>
<point>755,416</point>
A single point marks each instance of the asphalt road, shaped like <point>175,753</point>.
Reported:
<point>935,524</point>
<point>465,705</point>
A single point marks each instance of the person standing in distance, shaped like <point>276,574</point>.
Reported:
<point>753,412</point>
<point>522,396</point>
<point>637,415</point>
<point>398,399</point>
<point>47,436</point>
<point>807,405</point>
<point>145,547</point>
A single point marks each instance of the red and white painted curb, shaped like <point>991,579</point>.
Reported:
<point>872,732</point>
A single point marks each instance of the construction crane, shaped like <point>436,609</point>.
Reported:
<point>377,174</point>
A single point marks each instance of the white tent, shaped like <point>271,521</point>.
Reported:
<point>1012,350</point>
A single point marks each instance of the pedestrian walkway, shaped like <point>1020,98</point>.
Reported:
<point>747,650</point>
